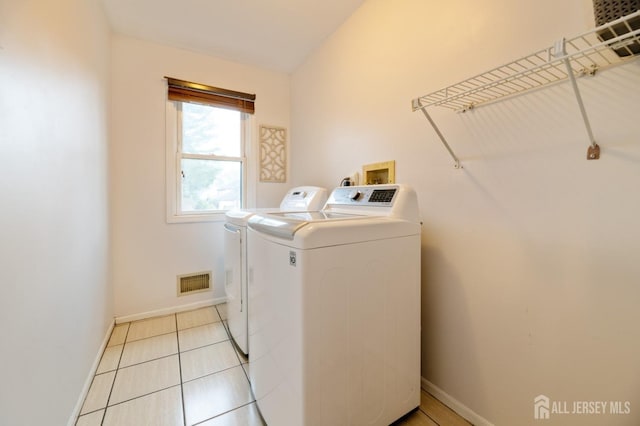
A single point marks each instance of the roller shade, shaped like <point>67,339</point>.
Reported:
<point>186,91</point>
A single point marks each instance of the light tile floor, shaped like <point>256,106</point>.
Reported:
<point>183,369</point>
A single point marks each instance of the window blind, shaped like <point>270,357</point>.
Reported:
<point>186,91</point>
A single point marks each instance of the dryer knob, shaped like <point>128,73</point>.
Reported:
<point>355,195</point>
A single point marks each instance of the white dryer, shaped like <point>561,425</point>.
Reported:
<point>334,326</point>
<point>301,198</point>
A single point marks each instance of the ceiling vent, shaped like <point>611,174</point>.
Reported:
<point>194,283</point>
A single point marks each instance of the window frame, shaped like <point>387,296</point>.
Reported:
<point>174,156</point>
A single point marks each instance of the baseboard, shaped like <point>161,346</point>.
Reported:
<point>170,310</point>
<point>92,372</point>
<point>454,404</point>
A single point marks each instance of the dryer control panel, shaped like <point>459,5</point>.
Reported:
<point>304,198</point>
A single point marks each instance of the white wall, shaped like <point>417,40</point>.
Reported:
<point>57,302</point>
<point>148,252</point>
<point>530,252</point>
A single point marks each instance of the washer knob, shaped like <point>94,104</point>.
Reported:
<point>355,195</point>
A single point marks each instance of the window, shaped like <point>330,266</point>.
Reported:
<point>211,158</point>
<point>206,161</point>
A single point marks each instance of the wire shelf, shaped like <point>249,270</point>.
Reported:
<point>585,54</point>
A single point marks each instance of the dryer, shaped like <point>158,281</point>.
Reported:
<point>300,198</point>
<point>334,326</point>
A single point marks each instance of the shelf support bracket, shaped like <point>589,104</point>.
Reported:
<point>593,153</point>
<point>440,135</point>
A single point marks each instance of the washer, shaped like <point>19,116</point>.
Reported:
<point>334,326</point>
<point>235,255</point>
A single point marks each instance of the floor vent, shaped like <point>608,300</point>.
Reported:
<point>193,283</point>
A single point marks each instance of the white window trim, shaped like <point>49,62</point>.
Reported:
<point>172,166</point>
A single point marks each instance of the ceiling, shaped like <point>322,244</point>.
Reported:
<point>273,34</point>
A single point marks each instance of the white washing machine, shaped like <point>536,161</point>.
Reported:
<point>334,326</point>
<point>301,198</point>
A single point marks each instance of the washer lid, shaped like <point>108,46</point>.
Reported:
<point>240,217</point>
<point>301,198</point>
<point>346,229</point>
<point>286,224</point>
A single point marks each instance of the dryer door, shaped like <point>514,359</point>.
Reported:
<point>234,258</point>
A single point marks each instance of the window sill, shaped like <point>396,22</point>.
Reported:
<point>195,218</point>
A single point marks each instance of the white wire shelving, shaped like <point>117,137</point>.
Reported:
<point>567,59</point>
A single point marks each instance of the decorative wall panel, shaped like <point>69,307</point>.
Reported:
<point>273,154</point>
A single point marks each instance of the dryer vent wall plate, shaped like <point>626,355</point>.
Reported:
<point>379,173</point>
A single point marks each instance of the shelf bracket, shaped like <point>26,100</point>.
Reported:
<point>418,105</point>
<point>593,152</point>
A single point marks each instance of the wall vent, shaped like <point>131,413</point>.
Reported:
<point>194,283</point>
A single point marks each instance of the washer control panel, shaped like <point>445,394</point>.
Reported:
<point>370,195</point>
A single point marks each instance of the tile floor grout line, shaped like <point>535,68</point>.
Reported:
<point>199,325</point>
<point>203,346</point>
<point>184,408</point>
<point>222,414</point>
<point>89,412</point>
<point>237,350</point>
<point>150,337</point>
<point>207,344</point>
<point>218,312</point>
<point>231,339</point>
<point>214,373</point>
<point>80,414</point>
<point>142,396</point>
<point>206,323</point>
<point>148,361</point>
<point>115,376</point>
<point>99,374</point>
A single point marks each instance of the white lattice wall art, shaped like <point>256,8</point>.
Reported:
<point>273,154</point>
